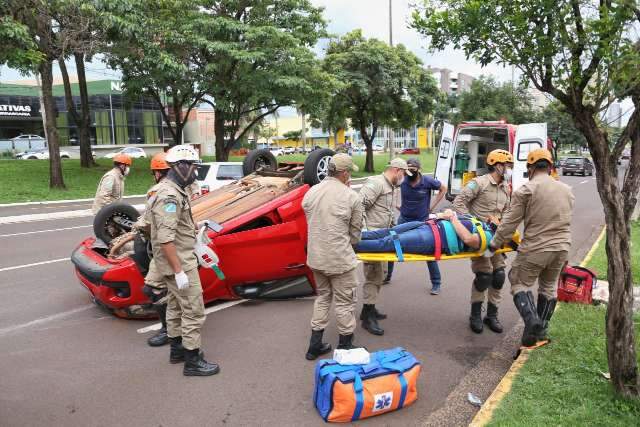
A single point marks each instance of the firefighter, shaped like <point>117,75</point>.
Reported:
<point>173,238</point>
<point>111,186</point>
<point>334,216</point>
<point>378,196</point>
<point>545,205</point>
<point>154,286</point>
<point>487,198</point>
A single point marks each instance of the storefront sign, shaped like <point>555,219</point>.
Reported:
<point>16,110</point>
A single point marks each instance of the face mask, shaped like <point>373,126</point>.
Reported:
<point>508,174</point>
<point>127,170</point>
<point>183,174</point>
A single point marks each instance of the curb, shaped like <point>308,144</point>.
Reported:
<point>485,414</point>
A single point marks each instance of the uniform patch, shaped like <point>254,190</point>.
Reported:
<point>170,207</point>
<point>472,185</point>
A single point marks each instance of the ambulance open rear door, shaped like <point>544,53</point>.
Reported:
<point>529,137</point>
<point>445,154</point>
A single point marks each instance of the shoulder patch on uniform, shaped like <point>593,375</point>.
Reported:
<point>151,193</point>
<point>472,185</point>
<point>170,207</point>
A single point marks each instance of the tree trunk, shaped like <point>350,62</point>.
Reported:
<point>368,162</point>
<point>84,123</point>
<point>55,165</point>
<point>222,154</point>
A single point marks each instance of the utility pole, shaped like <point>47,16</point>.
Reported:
<point>391,129</point>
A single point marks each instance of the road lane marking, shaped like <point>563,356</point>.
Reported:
<point>46,319</point>
<point>45,231</point>
<point>219,307</point>
<point>35,264</point>
<point>17,219</point>
<point>584,182</point>
<point>53,202</point>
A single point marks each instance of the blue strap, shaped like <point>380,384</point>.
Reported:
<point>403,392</point>
<point>357,387</point>
<point>396,244</point>
<point>452,238</point>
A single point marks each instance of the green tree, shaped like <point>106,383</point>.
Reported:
<point>584,54</point>
<point>293,135</point>
<point>379,85</point>
<point>488,100</point>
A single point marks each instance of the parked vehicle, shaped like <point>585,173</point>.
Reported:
<point>289,150</point>
<point>133,152</point>
<point>276,151</point>
<point>463,150</point>
<point>21,138</point>
<point>577,165</point>
<point>41,154</point>
<point>377,148</point>
<point>217,174</point>
<point>410,151</point>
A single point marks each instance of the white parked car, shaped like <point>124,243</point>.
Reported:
<point>216,174</point>
<point>276,151</point>
<point>133,152</point>
<point>42,154</point>
<point>20,138</point>
<point>289,150</point>
<point>377,148</point>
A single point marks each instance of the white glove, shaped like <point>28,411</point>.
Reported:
<point>488,253</point>
<point>182,280</point>
<point>205,223</point>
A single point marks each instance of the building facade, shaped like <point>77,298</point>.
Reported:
<point>450,82</point>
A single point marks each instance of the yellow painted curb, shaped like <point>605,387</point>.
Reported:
<point>485,413</point>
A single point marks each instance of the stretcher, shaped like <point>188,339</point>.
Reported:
<point>400,256</point>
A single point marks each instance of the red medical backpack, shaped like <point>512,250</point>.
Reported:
<point>575,284</point>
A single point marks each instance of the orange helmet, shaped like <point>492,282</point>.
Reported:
<point>499,156</point>
<point>122,158</point>
<point>159,162</point>
<point>539,154</point>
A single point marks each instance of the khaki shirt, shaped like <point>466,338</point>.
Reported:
<point>483,197</point>
<point>546,207</point>
<point>378,198</point>
<point>334,220</point>
<point>144,221</point>
<point>171,221</point>
<point>110,189</point>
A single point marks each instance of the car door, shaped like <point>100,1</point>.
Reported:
<point>445,154</point>
<point>529,137</point>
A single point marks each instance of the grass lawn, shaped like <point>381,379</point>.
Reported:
<point>599,260</point>
<point>561,384</point>
<point>28,180</point>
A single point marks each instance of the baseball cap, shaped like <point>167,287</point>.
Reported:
<point>414,164</point>
<point>343,162</point>
<point>400,164</point>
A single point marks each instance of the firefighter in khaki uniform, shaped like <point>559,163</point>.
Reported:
<point>486,198</point>
<point>378,195</point>
<point>173,237</point>
<point>111,186</point>
<point>546,206</point>
<point>334,217</point>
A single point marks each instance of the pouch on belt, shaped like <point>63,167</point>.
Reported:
<point>345,393</point>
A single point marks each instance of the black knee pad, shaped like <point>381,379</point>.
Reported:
<point>499,277</point>
<point>482,281</point>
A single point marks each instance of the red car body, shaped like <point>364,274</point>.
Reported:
<point>410,151</point>
<point>262,255</point>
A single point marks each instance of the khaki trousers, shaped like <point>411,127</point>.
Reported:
<point>185,310</point>
<point>374,273</point>
<point>487,265</point>
<point>342,288</point>
<point>544,267</point>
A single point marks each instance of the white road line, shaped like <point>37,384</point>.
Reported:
<point>53,202</point>
<point>45,231</point>
<point>584,182</point>
<point>35,264</point>
<point>47,319</point>
<point>219,307</point>
<point>17,219</point>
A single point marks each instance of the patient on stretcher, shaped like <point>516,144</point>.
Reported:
<point>457,235</point>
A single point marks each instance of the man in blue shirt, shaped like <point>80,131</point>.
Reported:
<point>416,206</point>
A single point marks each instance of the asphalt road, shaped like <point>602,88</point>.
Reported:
<point>64,361</point>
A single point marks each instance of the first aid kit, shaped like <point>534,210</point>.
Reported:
<point>575,284</point>
<point>346,393</point>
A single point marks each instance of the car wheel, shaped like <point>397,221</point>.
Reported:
<point>564,174</point>
<point>32,158</point>
<point>259,159</point>
<point>316,166</point>
<point>64,157</point>
<point>113,220</point>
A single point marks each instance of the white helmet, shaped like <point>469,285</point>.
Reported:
<point>184,153</point>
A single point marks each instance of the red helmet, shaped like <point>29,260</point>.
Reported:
<point>122,158</point>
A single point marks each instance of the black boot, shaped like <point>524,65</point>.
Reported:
<point>196,366</point>
<point>369,322</point>
<point>316,346</point>
<point>475,320</point>
<point>491,319</point>
<point>176,353</point>
<point>546,308</point>
<point>161,338</point>
<point>532,324</point>
<point>379,315</point>
<point>345,342</point>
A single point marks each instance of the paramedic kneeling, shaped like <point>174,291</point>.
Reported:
<point>334,217</point>
<point>487,197</point>
<point>545,205</point>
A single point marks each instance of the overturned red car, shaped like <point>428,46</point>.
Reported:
<point>261,243</point>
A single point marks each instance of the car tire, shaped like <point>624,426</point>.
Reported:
<point>32,158</point>
<point>564,174</point>
<point>316,166</point>
<point>104,226</point>
<point>256,159</point>
<point>64,157</point>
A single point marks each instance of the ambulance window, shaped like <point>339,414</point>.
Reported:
<point>526,147</point>
<point>444,150</point>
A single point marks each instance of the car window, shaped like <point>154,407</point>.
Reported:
<point>574,161</point>
<point>525,148</point>
<point>230,172</point>
<point>203,170</point>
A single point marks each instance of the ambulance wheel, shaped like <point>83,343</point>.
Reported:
<point>113,220</point>
<point>259,159</point>
<point>316,166</point>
